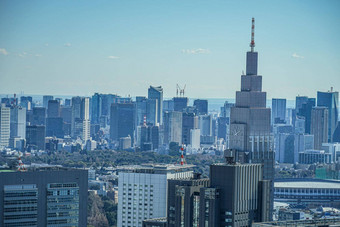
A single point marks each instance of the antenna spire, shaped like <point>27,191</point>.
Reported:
<point>252,43</point>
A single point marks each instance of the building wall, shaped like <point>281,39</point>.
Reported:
<point>39,181</point>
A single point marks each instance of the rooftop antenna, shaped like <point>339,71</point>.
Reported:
<point>252,43</point>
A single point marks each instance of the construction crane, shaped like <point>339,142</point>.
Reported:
<point>180,90</point>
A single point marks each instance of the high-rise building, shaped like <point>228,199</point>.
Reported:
<point>250,133</point>
<point>222,127</point>
<point>330,100</point>
<point>122,120</point>
<point>305,111</point>
<point>172,131</point>
<point>184,200</point>
<point>237,196</point>
<point>44,197</point>
<point>189,122</point>
<point>26,102</point>
<point>80,121</point>
<point>319,126</point>
<point>180,103</point>
<point>46,99</point>
<point>225,110</point>
<point>201,106</point>
<point>278,111</point>
<point>18,122</point>
<point>39,116</point>
<point>147,137</point>
<point>299,101</point>
<point>35,137</point>
<point>53,109</point>
<point>157,93</point>
<point>96,109</point>
<point>5,116</point>
<point>142,191</point>
<point>205,125</point>
<point>146,108</point>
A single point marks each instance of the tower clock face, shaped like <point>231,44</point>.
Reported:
<point>238,130</point>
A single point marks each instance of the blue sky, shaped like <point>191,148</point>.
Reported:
<point>82,47</point>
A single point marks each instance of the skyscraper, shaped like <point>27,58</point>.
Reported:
<point>319,126</point>
<point>201,106</point>
<point>35,137</point>
<point>26,102</point>
<point>46,98</point>
<point>189,122</point>
<point>44,197</point>
<point>80,121</point>
<point>5,116</point>
<point>250,134</point>
<point>237,196</point>
<point>122,120</point>
<point>39,116</point>
<point>172,131</point>
<point>96,109</point>
<point>18,122</point>
<point>278,111</point>
<point>142,192</point>
<point>157,93</point>
<point>53,109</point>
<point>305,111</point>
<point>330,100</point>
<point>180,103</point>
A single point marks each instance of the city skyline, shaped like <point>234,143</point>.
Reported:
<point>118,47</point>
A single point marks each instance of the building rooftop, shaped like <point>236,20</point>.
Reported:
<point>155,168</point>
<point>308,184</point>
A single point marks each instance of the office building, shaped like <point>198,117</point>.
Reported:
<point>319,126</point>
<point>201,106</point>
<point>156,93</point>
<point>302,142</point>
<point>122,120</point>
<point>80,121</point>
<point>189,122</point>
<point>237,196</point>
<point>168,105</point>
<point>5,116</point>
<point>278,111</point>
<point>330,100</point>
<point>39,116</point>
<point>26,102</point>
<point>172,131</point>
<point>314,156</point>
<point>305,112</point>
<point>250,133</point>
<point>225,110</point>
<point>18,122</point>
<point>206,125</point>
<point>299,101</point>
<point>147,137</point>
<point>54,127</point>
<point>222,127</point>
<point>35,137</point>
<point>334,150</point>
<point>96,108</point>
<point>146,108</point>
<point>53,109</point>
<point>284,147</point>
<point>46,99</point>
<point>195,138</point>
<point>180,103</point>
<point>43,197</point>
<point>142,191</point>
<point>184,200</point>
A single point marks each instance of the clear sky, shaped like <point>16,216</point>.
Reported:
<point>81,47</point>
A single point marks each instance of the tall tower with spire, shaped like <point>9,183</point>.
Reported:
<point>250,136</point>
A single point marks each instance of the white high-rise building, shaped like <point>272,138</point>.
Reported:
<point>86,119</point>
<point>18,122</point>
<point>4,126</point>
<point>142,191</point>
